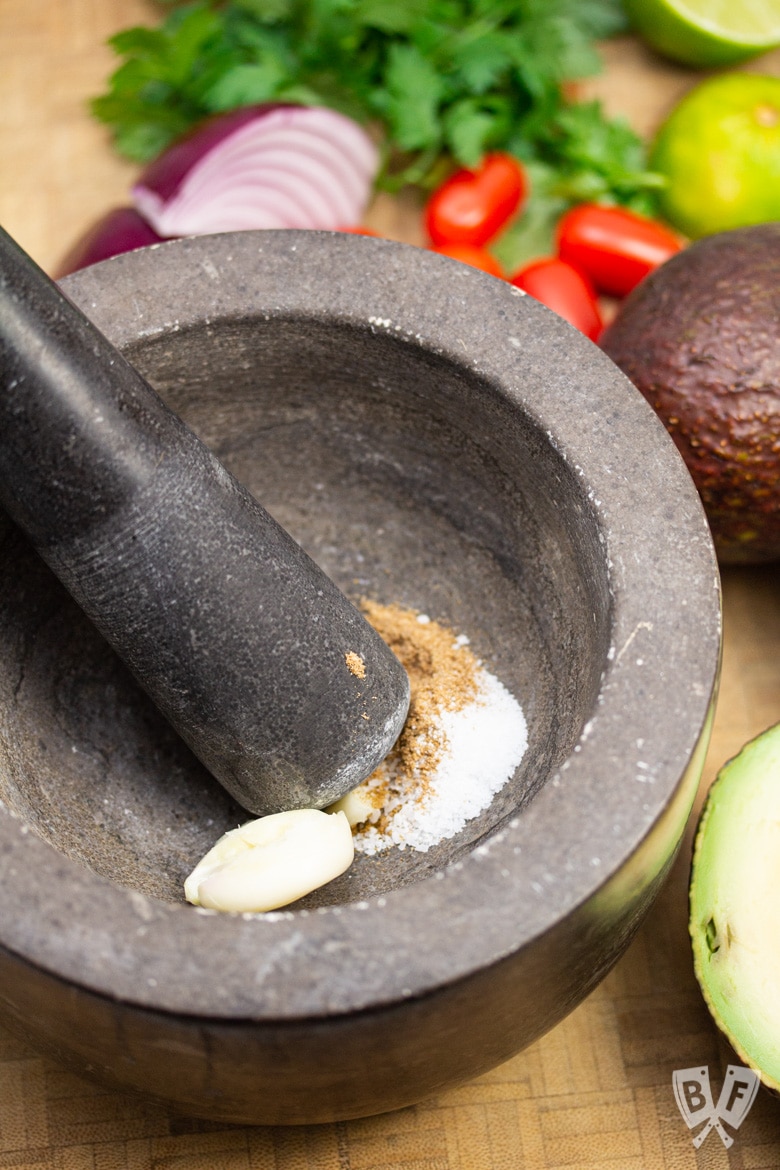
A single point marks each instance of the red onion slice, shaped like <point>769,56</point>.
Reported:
<point>261,167</point>
<point>120,230</point>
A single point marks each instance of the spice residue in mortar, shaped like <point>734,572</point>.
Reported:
<point>463,738</point>
<point>355,664</point>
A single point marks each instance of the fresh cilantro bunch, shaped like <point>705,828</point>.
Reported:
<point>446,80</point>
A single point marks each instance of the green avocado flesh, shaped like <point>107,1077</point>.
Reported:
<point>735,904</point>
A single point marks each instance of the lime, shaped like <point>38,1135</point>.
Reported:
<point>719,151</point>
<point>707,33</point>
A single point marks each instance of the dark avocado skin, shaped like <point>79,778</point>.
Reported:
<point>700,337</point>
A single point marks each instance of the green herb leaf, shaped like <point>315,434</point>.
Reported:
<point>266,11</point>
<point>388,16</point>
<point>245,85</point>
<point>482,61</point>
<point>600,19</point>
<point>532,235</point>
<point>472,126</point>
<point>411,99</point>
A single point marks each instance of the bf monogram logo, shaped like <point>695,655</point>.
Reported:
<point>694,1100</point>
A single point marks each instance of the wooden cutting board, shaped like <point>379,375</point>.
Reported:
<point>596,1092</point>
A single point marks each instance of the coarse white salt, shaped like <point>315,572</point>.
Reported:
<point>481,746</point>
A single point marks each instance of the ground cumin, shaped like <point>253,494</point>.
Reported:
<point>355,664</point>
<point>442,677</point>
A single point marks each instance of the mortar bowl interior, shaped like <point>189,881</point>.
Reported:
<point>435,440</point>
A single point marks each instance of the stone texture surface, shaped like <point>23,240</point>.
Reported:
<point>431,438</point>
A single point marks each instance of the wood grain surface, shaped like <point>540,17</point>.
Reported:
<point>595,1092</point>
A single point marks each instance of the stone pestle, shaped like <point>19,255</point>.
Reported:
<point>267,671</point>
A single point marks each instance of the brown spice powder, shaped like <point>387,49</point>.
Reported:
<point>355,664</point>
<point>443,677</point>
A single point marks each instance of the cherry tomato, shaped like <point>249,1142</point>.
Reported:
<point>472,206</point>
<point>359,231</point>
<point>613,247</point>
<point>563,289</point>
<point>468,254</point>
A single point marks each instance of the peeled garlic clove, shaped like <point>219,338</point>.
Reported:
<point>357,806</point>
<point>272,861</point>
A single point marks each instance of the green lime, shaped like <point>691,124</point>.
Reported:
<point>719,151</point>
<point>707,33</point>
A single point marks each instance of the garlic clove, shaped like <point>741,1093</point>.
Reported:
<point>272,861</point>
<point>357,806</point>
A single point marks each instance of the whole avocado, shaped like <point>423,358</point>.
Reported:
<point>700,337</point>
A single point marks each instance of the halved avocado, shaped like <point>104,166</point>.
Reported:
<point>735,904</point>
